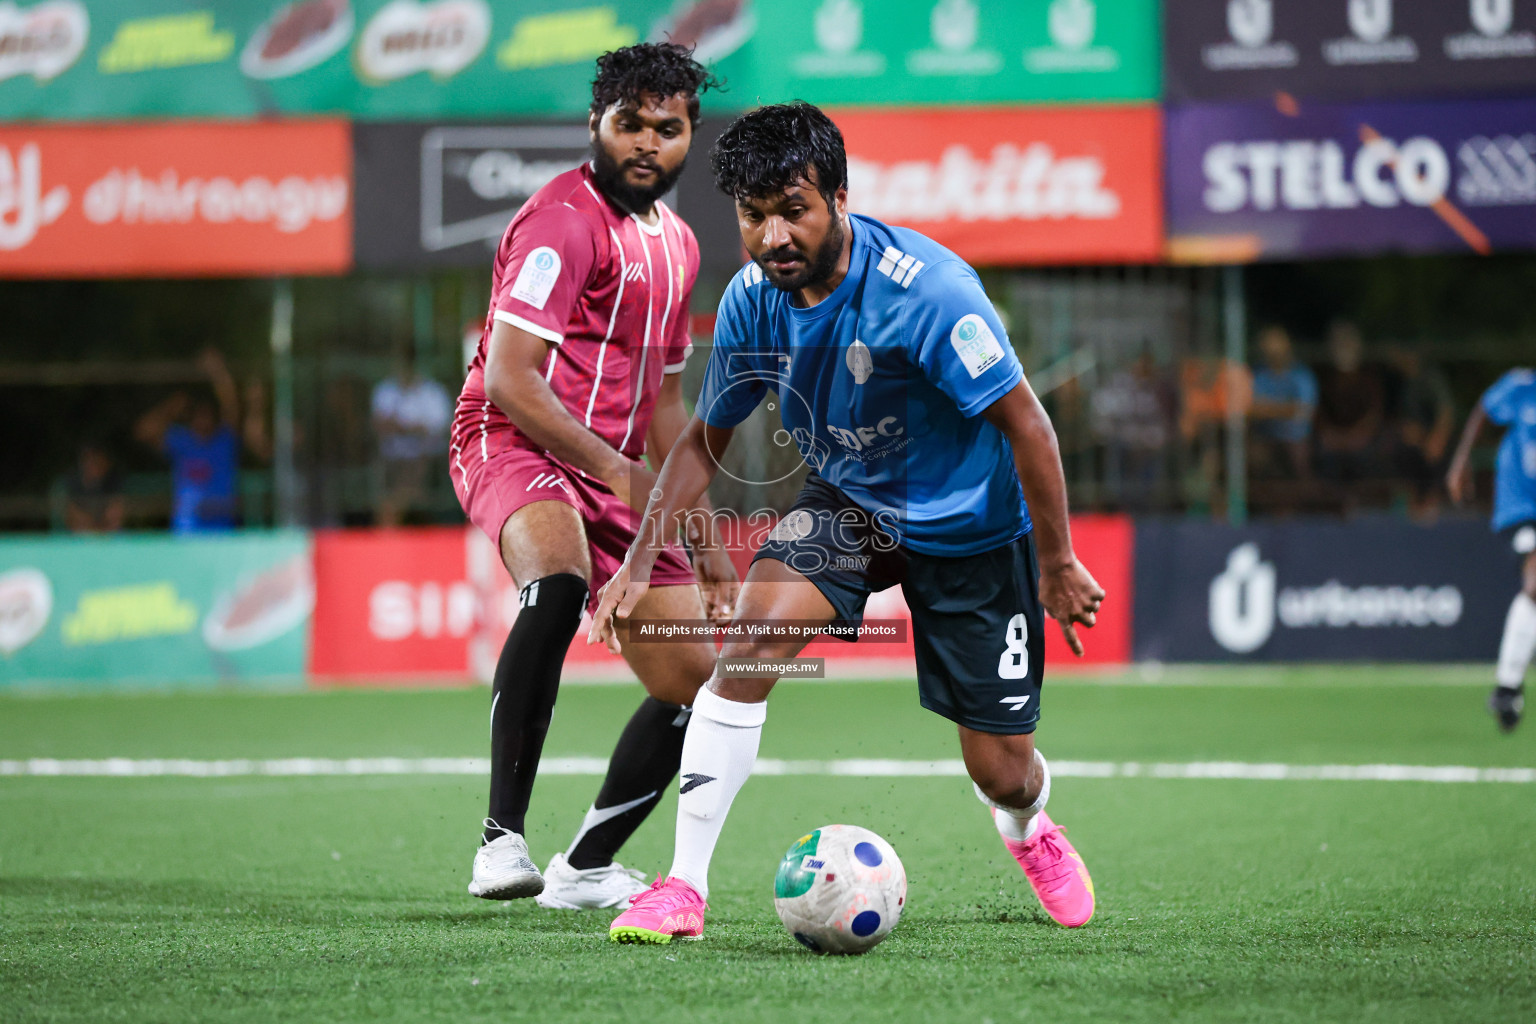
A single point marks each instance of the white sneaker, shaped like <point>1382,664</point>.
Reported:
<point>503,870</point>
<point>568,888</point>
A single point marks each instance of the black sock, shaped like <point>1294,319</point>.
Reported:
<point>642,767</point>
<point>527,679</point>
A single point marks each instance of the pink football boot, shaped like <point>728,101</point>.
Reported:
<point>1056,872</point>
<point>668,910</point>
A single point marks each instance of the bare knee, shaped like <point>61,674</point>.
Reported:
<point>1003,767</point>
<point>693,666</point>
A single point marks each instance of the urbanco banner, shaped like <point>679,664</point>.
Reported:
<point>176,199</point>
<point>1016,185</point>
<point>1304,179</point>
<point>154,609</point>
<point>1347,49</point>
<point>429,59</point>
<point>1369,590</point>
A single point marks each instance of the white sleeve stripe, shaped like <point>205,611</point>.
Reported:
<point>675,367</point>
<point>528,325</point>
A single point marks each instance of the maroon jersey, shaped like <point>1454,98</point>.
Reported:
<point>609,290</point>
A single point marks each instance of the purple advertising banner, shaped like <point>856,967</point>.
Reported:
<point>1347,49</point>
<point>1251,181</point>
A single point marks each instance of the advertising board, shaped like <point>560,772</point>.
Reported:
<point>175,199</point>
<point>1382,590</point>
<point>1266,181</point>
<point>154,609</point>
<point>1347,49</point>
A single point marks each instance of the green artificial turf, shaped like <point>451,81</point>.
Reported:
<point>342,898</point>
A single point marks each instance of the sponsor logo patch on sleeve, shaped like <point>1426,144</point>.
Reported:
<point>537,277</point>
<point>976,345</point>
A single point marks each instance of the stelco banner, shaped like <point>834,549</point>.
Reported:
<point>1014,186</point>
<point>442,195</point>
<point>415,59</point>
<point>155,609</point>
<point>1365,591</point>
<point>1347,49</point>
<point>1250,181</point>
<point>142,200</point>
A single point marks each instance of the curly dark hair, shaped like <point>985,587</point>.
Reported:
<point>767,150</point>
<point>626,75</point>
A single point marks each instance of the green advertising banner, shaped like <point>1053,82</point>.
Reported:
<point>425,59</point>
<point>154,609</point>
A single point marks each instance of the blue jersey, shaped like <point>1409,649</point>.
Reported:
<point>879,385</point>
<point>203,479</point>
<point>1511,403</point>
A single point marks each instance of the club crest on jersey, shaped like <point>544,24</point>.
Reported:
<point>537,277</point>
<point>976,345</point>
<point>860,363</point>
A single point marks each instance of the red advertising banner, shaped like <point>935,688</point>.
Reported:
<point>392,603</point>
<point>1021,185</point>
<point>406,606</point>
<point>176,200</point>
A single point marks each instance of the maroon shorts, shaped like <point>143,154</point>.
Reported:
<point>491,491</point>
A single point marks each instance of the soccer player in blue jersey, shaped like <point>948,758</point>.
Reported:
<point>1510,403</point>
<point>898,383</point>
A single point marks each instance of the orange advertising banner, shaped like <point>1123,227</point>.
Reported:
<point>176,200</point>
<point>1021,185</point>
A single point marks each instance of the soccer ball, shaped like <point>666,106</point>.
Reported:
<point>840,889</point>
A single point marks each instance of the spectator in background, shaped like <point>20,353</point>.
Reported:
<point>94,492</point>
<point>1284,398</point>
<point>1423,417</point>
<point>1132,415</point>
<point>198,436</point>
<point>410,416</point>
<point>1351,416</point>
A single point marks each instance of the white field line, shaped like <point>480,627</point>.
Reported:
<point>122,767</point>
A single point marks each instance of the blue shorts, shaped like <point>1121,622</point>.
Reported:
<point>976,621</point>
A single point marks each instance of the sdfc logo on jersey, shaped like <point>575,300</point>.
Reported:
<point>537,278</point>
<point>976,345</point>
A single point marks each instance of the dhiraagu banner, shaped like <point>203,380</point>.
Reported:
<point>154,609</point>
<point>430,59</point>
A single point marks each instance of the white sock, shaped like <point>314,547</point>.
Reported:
<point>718,752</point>
<point>1014,823</point>
<point>1519,641</point>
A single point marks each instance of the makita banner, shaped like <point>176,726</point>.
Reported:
<point>1347,49</point>
<point>442,194</point>
<point>1013,186</point>
<point>175,199</point>
<point>1256,181</point>
<point>1320,591</point>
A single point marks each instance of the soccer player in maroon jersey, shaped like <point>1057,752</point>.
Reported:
<point>578,374</point>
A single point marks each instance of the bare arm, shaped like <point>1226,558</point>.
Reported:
<point>151,427</point>
<point>1067,592</point>
<point>514,383</point>
<point>718,580</point>
<point>686,474</point>
<point>1457,480</point>
<point>223,383</point>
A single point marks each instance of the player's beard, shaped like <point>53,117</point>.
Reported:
<point>609,175</point>
<point>818,268</point>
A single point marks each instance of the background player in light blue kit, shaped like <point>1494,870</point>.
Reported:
<point>1510,403</point>
<point>897,382</point>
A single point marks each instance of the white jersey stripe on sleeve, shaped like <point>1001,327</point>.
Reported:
<point>538,331</point>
